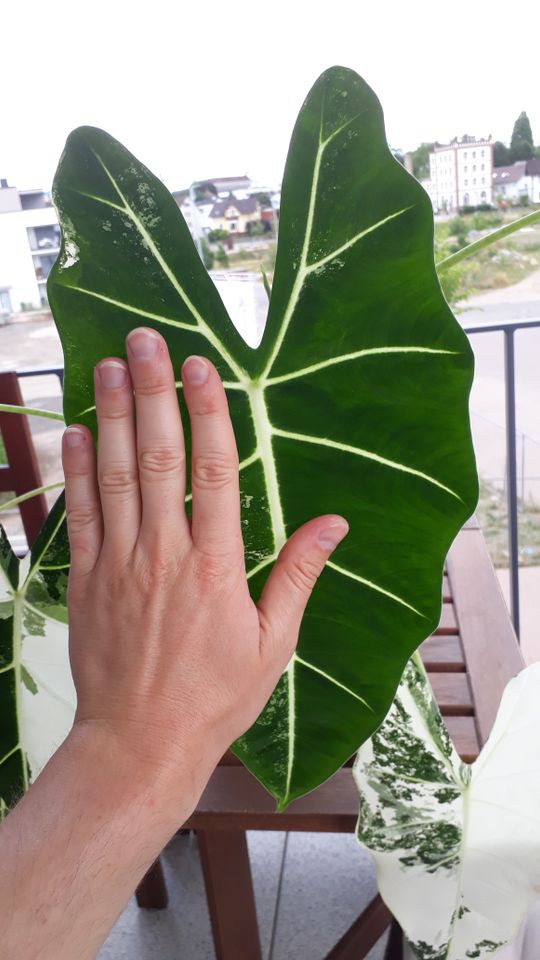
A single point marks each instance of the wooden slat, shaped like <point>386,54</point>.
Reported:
<point>22,473</point>
<point>491,652</point>
<point>453,693</point>
<point>446,595</point>
<point>464,736</point>
<point>448,622</point>
<point>234,799</point>
<point>443,654</point>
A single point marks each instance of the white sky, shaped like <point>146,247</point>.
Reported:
<point>198,89</point>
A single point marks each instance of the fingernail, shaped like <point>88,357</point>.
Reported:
<point>74,437</point>
<point>142,343</point>
<point>331,535</point>
<point>195,371</point>
<point>112,374</point>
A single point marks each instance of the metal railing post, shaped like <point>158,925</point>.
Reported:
<point>511,472</point>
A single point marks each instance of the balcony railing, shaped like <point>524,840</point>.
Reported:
<point>508,329</point>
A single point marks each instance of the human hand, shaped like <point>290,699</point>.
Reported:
<point>170,655</point>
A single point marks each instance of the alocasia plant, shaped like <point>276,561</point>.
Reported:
<point>457,847</point>
<point>37,697</point>
<point>354,402</point>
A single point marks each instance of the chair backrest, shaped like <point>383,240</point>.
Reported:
<point>21,473</point>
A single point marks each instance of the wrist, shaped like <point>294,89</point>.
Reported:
<point>130,774</point>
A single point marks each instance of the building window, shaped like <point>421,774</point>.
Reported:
<point>5,301</point>
<point>474,182</point>
<point>465,168</point>
<point>483,152</point>
<point>465,155</point>
<point>466,183</point>
<point>483,166</point>
<point>474,167</point>
<point>232,225</point>
<point>474,154</point>
<point>483,196</point>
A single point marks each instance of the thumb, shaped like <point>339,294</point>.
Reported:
<point>289,586</point>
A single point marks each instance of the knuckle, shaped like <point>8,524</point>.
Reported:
<point>303,573</point>
<point>156,571</point>
<point>79,519</point>
<point>213,470</point>
<point>212,568</point>
<point>161,461</point>
<point>152,387</point>
<point>114,411</point>
<point>117,478</point>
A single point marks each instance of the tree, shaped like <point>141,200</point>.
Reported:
<point>522,143</point>
<point>502,156</point>
<point>420,159</point>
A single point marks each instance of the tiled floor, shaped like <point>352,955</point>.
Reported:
<point>309,888</point>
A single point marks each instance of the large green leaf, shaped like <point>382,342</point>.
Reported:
<point>37,698</point>
<point>355,401</point>
<point>457,847</point>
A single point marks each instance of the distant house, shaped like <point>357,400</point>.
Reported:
<point>520,179</point>
<point>460,174</point>
<point>29,246</point>
<point>226,185</point>
<point>235,216</point>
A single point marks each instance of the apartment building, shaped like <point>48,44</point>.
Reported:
<point>461,174</point>
<point>29,245</point>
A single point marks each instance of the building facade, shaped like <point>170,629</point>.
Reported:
<point>29,246</point>
<point>461,174</point>
<point>519,180</point>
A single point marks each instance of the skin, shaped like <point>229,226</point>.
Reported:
<point>171,658</point>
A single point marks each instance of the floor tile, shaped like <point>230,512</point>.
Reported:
<point>327,881</point>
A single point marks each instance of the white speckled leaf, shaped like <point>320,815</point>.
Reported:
<point>37,696</point>
<point>456,846</point>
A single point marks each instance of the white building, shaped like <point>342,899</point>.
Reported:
<point>520,179</point>
<point>29,245</point>
<point>461,174</point>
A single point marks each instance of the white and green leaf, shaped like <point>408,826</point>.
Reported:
<point>37,697</point>
<point>456,846</point>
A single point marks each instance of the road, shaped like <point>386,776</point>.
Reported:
<point>522,301</point>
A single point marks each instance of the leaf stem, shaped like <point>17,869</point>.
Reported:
<point>31,493</point>
<point>30,411</point>
<point>493,237</point>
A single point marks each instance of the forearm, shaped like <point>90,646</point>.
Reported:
<point>76,846</point>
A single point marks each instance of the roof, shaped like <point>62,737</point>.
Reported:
<point>250,205</point>
<point>517,170</point>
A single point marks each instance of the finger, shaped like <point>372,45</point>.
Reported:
<point>160,438</point>
<point>289,586</point>
<point>117,456</point>
<point>83,509</point>
<point>215,524</point>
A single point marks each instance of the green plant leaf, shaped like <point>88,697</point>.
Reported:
<point>355,401</point>
<point>461,841</point>
<point>37,698</point>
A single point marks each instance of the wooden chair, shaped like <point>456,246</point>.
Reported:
<point>470,658</point>
<point>21,473</point>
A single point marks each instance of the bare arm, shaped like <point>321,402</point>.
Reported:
<point>171,658</point>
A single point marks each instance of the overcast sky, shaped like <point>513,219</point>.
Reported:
<point>212,89</point>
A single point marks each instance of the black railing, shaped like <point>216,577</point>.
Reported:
<point>509,328</point>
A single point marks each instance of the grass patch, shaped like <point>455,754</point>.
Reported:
<point>506,262</point>
<point>493,518</point>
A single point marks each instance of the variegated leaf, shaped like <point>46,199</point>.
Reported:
<point>456,846</point>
